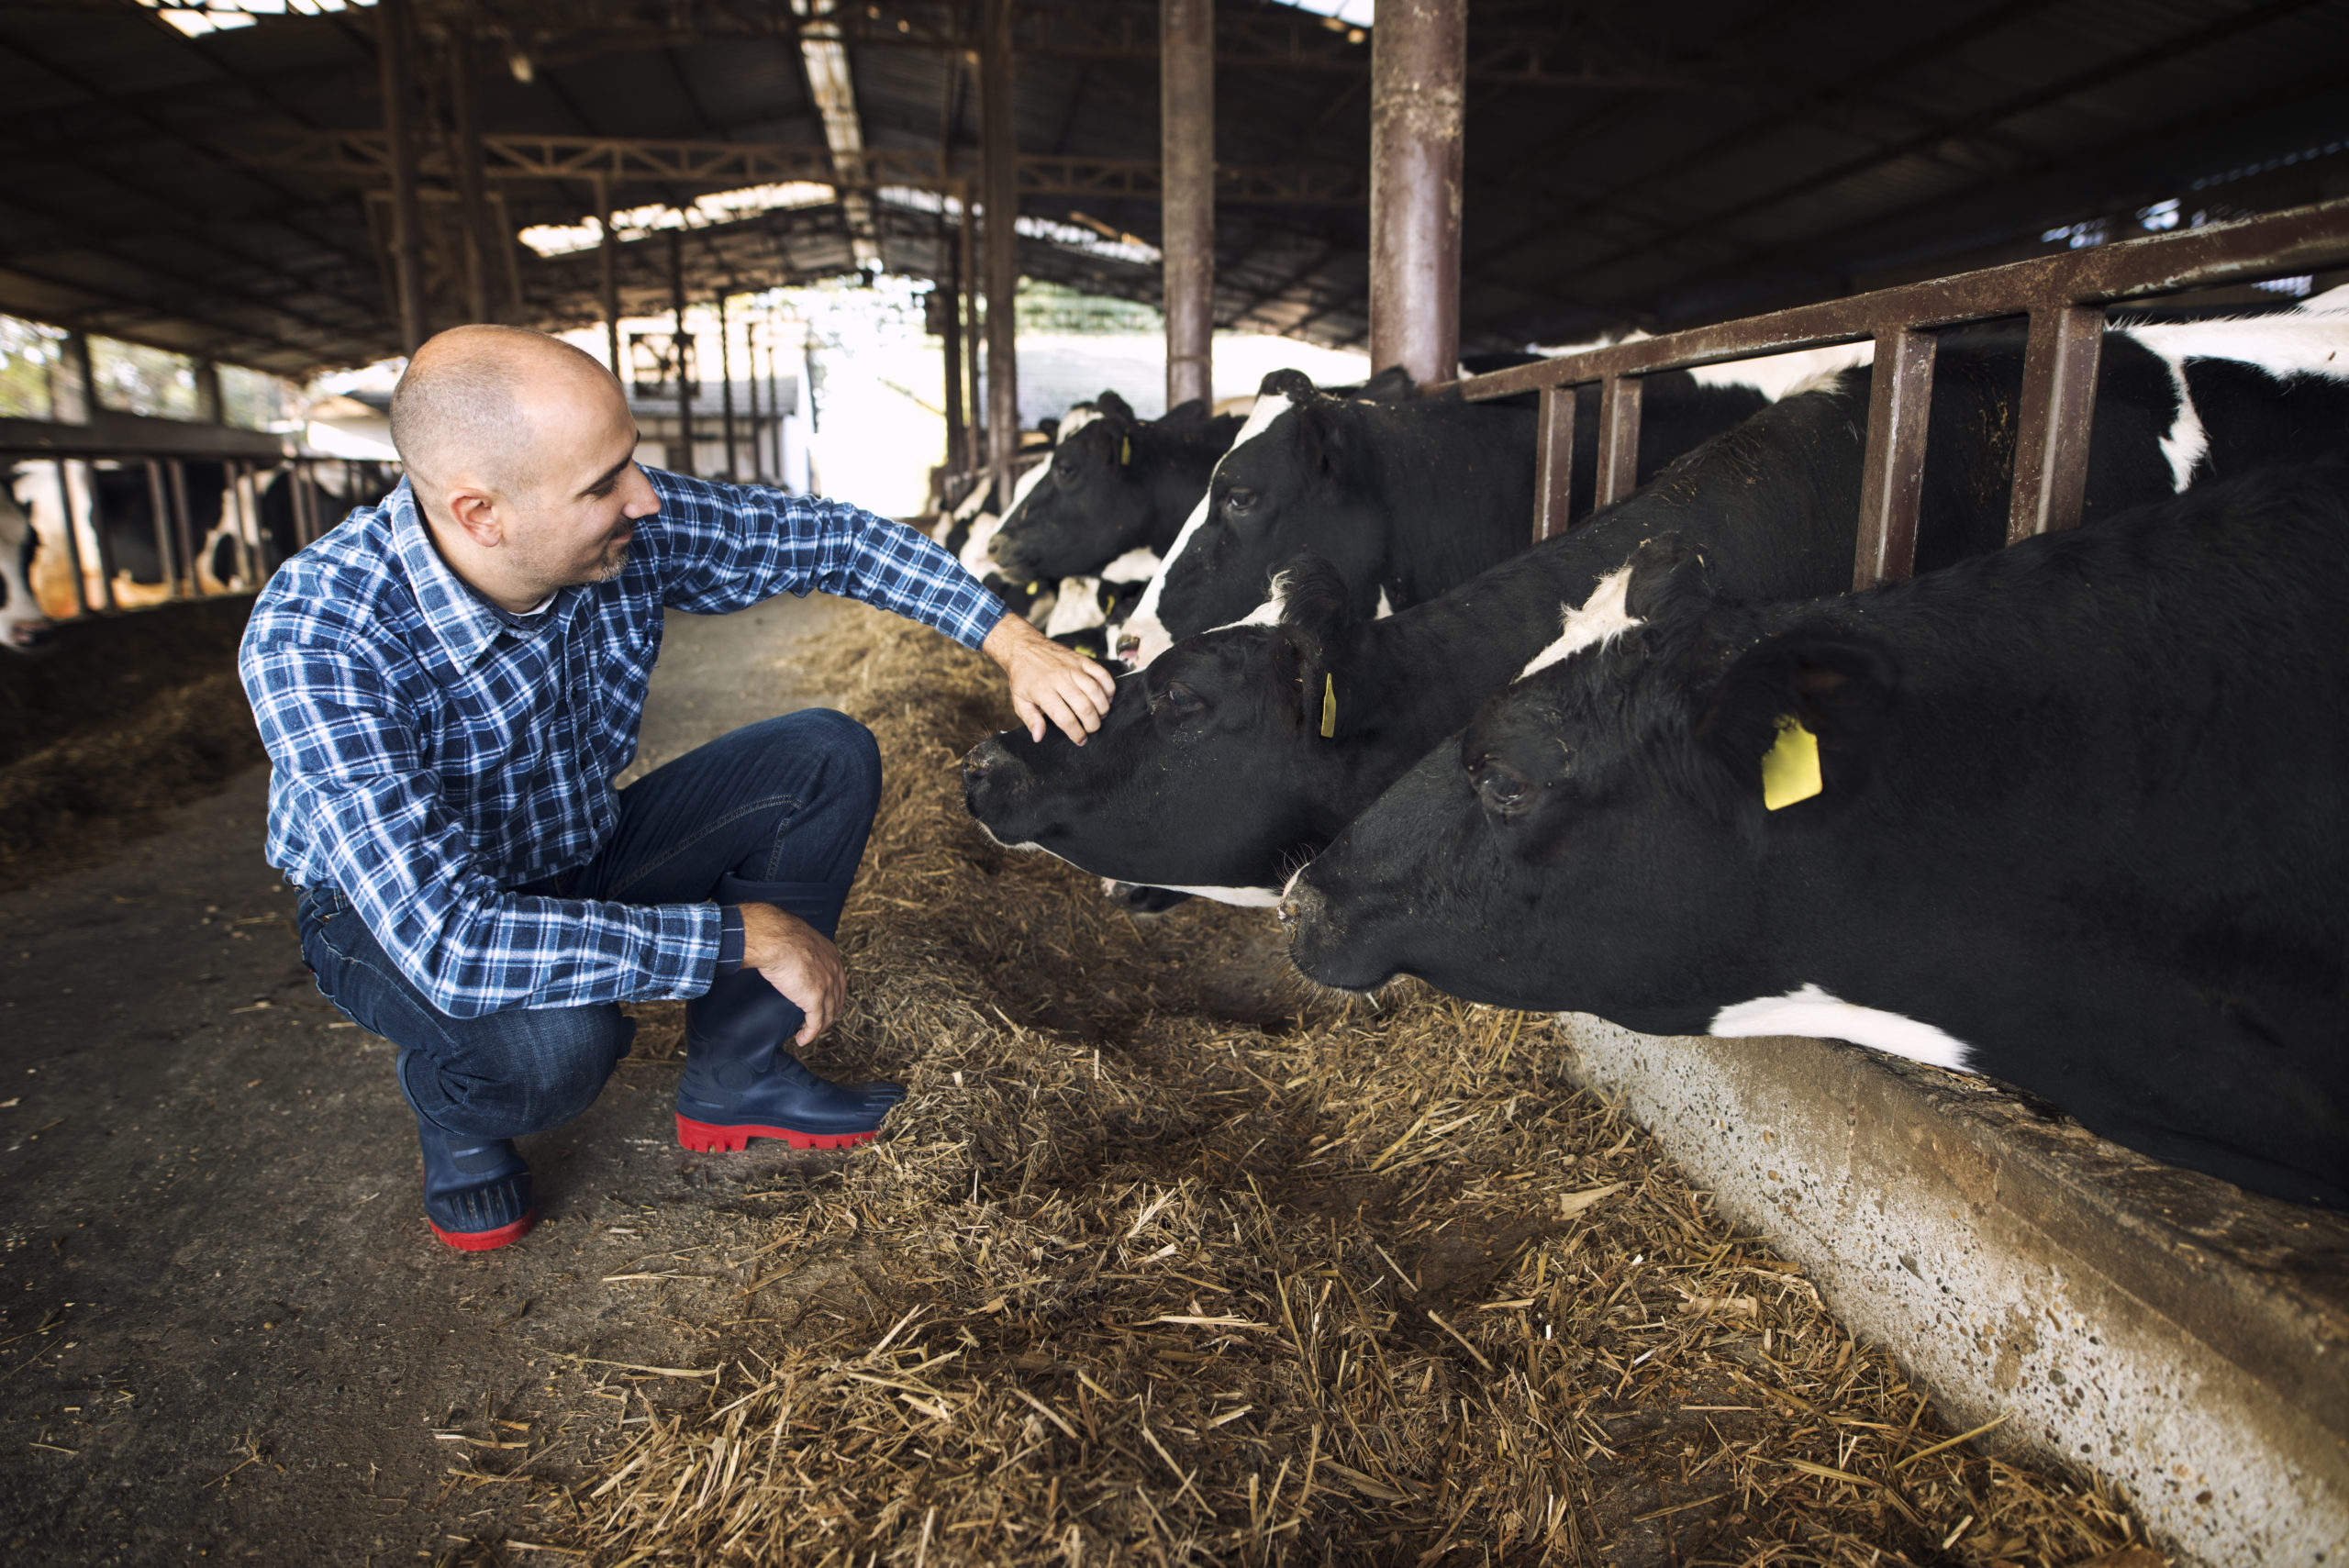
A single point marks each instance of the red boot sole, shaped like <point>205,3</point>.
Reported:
<point>485,1240</point>
<point>709,1139</point>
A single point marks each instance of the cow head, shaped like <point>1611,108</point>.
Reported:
<point>1211,771</point>
<point>1091,505</point>
<point>1598,838</point>
<point>22,624</point>
<point>1294,482</point>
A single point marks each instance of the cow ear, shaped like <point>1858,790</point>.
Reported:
<point>1115,406</point>
<point>1290,383</point>
<point>1312,596</point>
<point>1393,384</point>
<point>1797,717</point>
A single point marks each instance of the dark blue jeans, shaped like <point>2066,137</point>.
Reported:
<point>790,799</point>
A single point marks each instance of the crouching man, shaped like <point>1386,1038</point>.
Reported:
<point>448,683</point>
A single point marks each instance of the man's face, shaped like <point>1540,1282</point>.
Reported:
<point>574,521</point>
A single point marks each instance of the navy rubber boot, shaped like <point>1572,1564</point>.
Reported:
<point>739,1082</point>
<point>477,1190</point>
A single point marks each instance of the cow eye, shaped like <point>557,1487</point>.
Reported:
<point>1502,788</point>
<point>1178,700</point>
<point>1238,501</point>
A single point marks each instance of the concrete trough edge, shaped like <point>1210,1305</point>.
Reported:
<point>2185,1341</point>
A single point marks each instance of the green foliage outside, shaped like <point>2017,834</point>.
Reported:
<point>30,357</point>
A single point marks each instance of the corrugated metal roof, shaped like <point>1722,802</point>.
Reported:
<point>1626,163</point>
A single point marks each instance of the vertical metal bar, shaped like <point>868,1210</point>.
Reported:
<point>950,282</point>
<point>94,512</point>
<point>2059,365</point>
<point>239,498</point>
<point>158,507</point>
<point>1619,440</point>
<point>1187,205</point>
<point>725,384</point>
<point>607,277</point>
<point>73,534</point>
<point>682,460</point>
<point>1554,462</point>
<point>482,251</point>
<point>184,525</point>
<point>750,389</point>
<point>392,48</point>
<point>999,146</point>
<point>1418,74</point>
<point>1900,398</point>
<point>975,432</point>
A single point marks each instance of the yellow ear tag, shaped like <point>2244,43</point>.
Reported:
<point>1125,451</point>
<point>1328,706</point>
<point>1790,768</point>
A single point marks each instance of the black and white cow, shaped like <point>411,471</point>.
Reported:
<point>1115,485</point>
<point>22,624</point>
<point>2071,814</point>
<point>1238,754</point>
<point>1406,499</point>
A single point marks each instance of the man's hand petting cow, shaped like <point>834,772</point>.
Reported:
<point>2069,814</point>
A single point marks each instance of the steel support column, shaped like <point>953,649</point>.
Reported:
<point>946,309</point>
<point>682,460</point>
<point>725,384</point>
<point>608,276</point>
<point>394,54</point>
<point>1186,152</point>
<point>482,251</point>
<point>1419,70</point>
<point>999,145</point>
<point>967,242</point>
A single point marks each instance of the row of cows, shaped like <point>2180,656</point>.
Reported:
<point>2073,813</point>
<point>122,499</point>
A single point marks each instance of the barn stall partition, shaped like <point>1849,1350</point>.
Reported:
<point>2063,296</point>
<point>2183,1339</point>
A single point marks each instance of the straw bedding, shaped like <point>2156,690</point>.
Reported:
<point>1167,1258</point>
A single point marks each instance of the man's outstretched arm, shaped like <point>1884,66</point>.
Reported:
<point>1048,682</point>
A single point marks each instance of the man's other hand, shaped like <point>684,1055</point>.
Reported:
<point>1048,682</point>
<point>798,961</point>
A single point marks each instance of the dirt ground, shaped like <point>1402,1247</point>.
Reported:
<point>224,1331</point>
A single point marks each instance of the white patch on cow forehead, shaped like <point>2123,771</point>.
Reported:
<point>1138,564</point>
<point>1079,607</point>
<point>1147,632</point>
<point>1027,483</point>
<point>1602,618</point>
<point>1075,420</point>
<point>978,550</point>
<point>1820,1016</point>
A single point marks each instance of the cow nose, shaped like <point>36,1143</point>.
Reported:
<point>987,754</point>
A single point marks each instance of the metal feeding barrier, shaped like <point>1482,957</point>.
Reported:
<point>191,524</point>
<point>2064,297</point>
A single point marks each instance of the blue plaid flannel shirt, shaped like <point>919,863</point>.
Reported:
<point>428,756</point>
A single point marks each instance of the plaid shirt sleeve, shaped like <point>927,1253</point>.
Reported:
<point>353,767</point>
<point>733,545</point>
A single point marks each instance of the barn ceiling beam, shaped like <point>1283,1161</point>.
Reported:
<point>363,156</point>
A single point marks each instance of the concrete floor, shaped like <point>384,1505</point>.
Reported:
<point>224,1329</point>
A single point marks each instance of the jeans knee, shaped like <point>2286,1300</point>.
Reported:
<point>537,1070</point>
<point>851,755</point>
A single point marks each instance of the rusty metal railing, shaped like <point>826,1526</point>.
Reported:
<point>2065,298</point>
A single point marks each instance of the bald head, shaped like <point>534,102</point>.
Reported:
<point>482,404</point>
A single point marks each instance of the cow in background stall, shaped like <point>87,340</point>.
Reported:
<point>22,624</point>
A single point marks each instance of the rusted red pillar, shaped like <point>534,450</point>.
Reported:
<point>999,146</point>
<point>1419,72</point>
<point>1187,142</point>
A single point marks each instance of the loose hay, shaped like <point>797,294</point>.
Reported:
<point>1163,1260</point>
